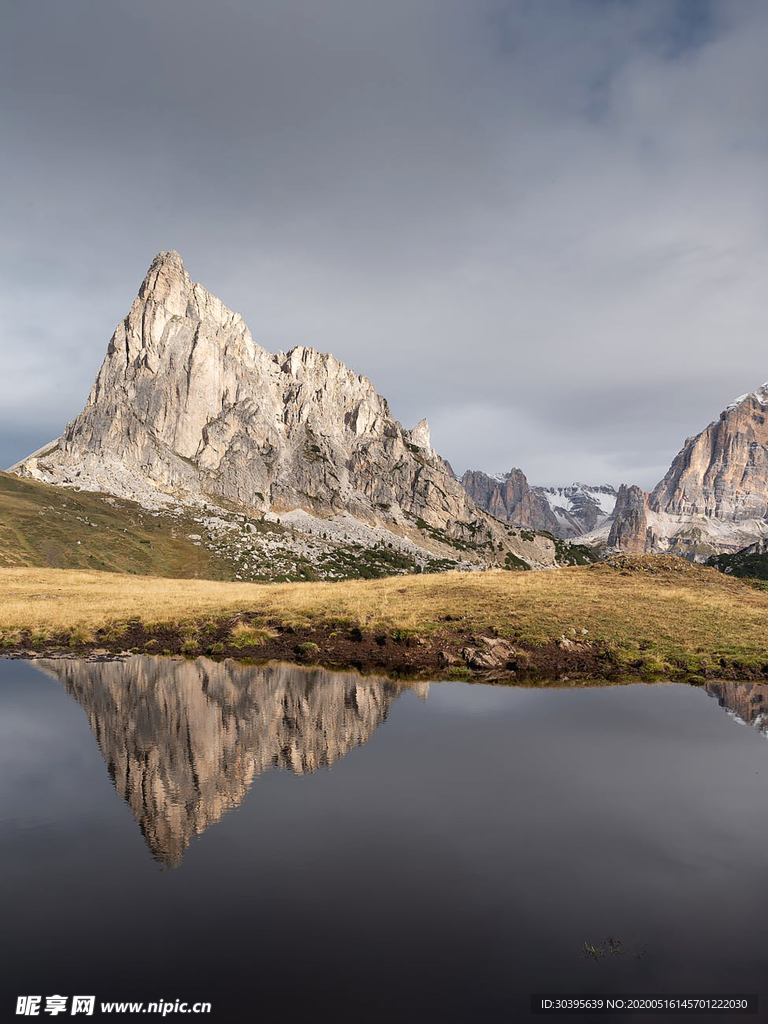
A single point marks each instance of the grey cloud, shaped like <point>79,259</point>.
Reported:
<point>544,226</point>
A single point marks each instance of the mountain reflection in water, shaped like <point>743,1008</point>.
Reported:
<point>183,741</point>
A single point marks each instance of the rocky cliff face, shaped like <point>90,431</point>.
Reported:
<point>629,525</point>
<point>722,473</point>
<point>186,404</point>
<point>184,741</point>
<point>566,512</point>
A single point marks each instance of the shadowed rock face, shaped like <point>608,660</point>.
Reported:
<point>511,499</point>
<point>183,741</point>
<point>186,404</point>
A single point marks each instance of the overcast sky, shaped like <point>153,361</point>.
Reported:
<point>543,225</point>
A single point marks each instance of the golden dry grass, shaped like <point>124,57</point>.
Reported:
<point>690,612</point>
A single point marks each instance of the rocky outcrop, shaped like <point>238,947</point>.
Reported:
<point>722,473</point>
<point>760,547</point>
<point>184,741</point>
<point>565,512</point>
<point>629,527</point>
<point>187,405</point>
<point>489,653</point>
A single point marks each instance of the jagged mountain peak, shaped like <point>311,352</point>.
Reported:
<point>167,258</point>
<point>186,403</point>
<point>188,409</point>
<point>166,277</point>
<point>629,524</point>
<point>580,488</point>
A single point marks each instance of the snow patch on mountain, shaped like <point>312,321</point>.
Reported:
<point>761,395</point>
<point>570,498</point>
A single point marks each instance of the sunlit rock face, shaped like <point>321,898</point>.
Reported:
<point>722,473</point>
<point>187,404</point>
<point>184,740</point>
<point>188,412</point>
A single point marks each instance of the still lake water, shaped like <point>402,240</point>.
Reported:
<point>298,844</point>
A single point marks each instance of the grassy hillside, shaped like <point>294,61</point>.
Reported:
<point>43,525</point>
<point>640,615</point>
<point>61,528</point>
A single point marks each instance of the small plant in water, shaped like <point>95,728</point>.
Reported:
<point>606,947</point>
<point>592,952</point>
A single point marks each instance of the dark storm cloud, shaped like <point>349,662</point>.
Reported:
<point>541,225</point>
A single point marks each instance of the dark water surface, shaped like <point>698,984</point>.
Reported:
<point>295,844</point>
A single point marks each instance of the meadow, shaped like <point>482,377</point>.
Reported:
<point>652,613</point>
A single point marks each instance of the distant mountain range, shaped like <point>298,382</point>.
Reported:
<point>189,416</point>
<point>566,512</point>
